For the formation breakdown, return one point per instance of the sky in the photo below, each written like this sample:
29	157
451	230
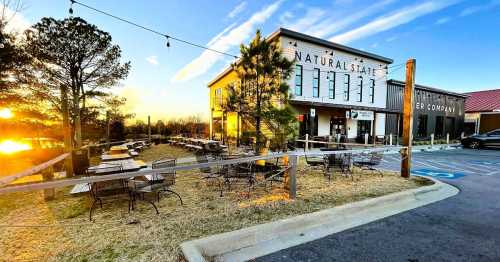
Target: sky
456	43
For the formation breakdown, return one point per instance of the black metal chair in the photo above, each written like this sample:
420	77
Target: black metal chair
341	162
160	182
209	173
243	173
313	161
370	162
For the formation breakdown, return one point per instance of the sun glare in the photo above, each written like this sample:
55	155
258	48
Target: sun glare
10	147
5	113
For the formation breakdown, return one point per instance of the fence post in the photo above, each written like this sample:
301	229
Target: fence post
390	139
48	175
432	139
462	135
366	138
447	138
307	143
291	177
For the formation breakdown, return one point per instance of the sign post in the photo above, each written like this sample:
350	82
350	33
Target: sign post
408	118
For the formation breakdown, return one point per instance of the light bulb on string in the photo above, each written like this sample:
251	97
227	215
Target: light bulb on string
71	7
168	41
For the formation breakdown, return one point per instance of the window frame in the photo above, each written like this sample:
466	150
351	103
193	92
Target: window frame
347	86
372	91
360	89
331	84
316	70
301	80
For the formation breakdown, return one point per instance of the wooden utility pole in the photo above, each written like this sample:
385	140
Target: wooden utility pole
68	146
149	129
408	118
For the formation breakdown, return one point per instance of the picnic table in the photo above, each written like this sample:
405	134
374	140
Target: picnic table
118	150
115	157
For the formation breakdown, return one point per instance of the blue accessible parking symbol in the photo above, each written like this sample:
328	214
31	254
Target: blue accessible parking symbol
437	173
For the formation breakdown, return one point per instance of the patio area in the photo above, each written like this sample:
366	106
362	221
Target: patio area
61	229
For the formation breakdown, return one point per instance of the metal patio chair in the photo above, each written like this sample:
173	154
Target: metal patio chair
210	174
370	162
160	182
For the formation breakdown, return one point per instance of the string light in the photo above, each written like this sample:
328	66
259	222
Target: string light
168	36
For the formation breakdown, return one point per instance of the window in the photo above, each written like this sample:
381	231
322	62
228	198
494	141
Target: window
316	82
422	126
298	80
331	85
360	89
347	80
372	91
218	97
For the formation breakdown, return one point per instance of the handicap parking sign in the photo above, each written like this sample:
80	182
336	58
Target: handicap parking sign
437	173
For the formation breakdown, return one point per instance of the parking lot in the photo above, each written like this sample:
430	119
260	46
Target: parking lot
462	228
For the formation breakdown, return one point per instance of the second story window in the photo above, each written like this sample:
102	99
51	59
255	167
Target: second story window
360	89
331	85
372	90
347	83
298	80
218	97
316	82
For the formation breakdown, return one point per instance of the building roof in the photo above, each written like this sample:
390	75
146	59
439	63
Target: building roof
313	40
483	101
427	88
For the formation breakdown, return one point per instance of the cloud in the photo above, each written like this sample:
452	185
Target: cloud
332	25
443	20
224	43
312	16
237	10
285	17
386	22
392	38
152	60
16	22
478	8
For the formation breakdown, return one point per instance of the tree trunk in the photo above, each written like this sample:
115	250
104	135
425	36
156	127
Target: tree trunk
78	124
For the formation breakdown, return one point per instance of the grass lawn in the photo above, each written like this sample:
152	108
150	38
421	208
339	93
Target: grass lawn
60	230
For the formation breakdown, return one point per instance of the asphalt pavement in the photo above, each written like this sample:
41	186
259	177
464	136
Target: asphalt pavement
465	227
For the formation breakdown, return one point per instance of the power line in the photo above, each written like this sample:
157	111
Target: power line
167	36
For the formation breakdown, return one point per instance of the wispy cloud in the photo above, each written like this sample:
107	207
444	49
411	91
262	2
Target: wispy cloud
16	22
152	60
313	15
224	43
237	10
332	25
386	22
285	17
478	8
443	20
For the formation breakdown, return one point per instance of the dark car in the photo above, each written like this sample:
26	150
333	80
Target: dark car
490	139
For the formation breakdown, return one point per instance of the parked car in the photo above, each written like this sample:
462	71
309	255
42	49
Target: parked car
489	139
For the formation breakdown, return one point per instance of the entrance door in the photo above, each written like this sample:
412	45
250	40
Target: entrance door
364	127
337	126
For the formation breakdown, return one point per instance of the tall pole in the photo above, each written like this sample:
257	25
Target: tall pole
108	130
408	117
149	129
68	146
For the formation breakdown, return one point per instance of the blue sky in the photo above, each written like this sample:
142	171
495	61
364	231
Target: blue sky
456	43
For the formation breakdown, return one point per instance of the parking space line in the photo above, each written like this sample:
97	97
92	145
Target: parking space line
461	165
453	167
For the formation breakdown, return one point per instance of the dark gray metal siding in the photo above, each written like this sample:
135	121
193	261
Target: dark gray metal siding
453	122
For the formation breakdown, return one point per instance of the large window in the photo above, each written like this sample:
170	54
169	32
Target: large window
316	82
331	85
347	83
298	80
218	97
422	126
360	89
372	91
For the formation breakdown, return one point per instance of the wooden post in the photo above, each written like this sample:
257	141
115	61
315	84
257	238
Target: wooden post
366	138
68	144
149	129
48	175
447	138
307	143
408	118
390	139
432	139
108	130
374	132
291	177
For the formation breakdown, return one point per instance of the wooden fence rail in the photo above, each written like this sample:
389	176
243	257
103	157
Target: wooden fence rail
293	160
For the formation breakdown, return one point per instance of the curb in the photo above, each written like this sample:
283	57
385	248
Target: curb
256	241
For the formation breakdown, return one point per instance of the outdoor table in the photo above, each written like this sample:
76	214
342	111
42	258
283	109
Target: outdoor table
106	158
118	150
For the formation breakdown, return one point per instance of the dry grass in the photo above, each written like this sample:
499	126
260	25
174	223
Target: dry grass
143	236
